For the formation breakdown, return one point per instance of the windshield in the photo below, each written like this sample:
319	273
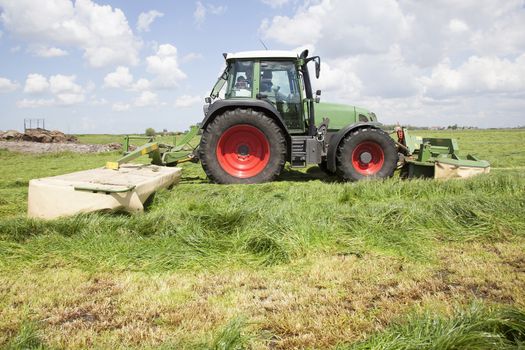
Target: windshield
219	84
240	79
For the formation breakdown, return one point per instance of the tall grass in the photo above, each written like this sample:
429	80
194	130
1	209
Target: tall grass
204	226
477	328
27	338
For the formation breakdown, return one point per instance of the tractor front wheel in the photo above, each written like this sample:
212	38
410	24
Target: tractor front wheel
242	146
366	153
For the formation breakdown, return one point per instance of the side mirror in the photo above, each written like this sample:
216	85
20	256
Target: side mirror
317	96
207	100
317	67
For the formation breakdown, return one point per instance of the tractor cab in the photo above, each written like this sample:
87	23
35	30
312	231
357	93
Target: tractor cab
275	77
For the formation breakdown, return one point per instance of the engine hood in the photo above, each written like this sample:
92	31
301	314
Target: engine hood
341	115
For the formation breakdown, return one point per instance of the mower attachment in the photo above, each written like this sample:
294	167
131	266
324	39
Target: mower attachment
437	158
160	153
127	188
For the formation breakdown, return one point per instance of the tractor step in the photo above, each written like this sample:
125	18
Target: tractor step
305	150
101	189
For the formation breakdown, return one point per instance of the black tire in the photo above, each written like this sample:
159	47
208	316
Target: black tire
366	153
324	167
266	132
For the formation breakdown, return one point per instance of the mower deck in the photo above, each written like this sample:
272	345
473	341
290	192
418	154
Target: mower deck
127	188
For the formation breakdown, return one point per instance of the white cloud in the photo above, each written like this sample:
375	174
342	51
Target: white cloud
35	103
341	27
141	85
276	3
7	85
303	29
413	60
98	101
477	75
64	84
121	107
192	56
216	9
100	31
47	52
164	65
457	26
185	101
202	10
199	15
36	84
120	78
146	19
147	99
63	89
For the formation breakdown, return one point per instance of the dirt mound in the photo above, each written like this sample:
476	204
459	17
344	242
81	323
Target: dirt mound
11	135
38	135
55	147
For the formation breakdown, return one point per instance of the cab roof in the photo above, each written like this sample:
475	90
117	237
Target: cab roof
262	54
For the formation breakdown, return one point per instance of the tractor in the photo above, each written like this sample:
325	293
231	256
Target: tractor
263	112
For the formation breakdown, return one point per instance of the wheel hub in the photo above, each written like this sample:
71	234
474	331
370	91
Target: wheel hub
368	158
243	151
365	157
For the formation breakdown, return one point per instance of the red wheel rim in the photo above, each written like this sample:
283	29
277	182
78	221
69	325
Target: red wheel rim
243	151
368	158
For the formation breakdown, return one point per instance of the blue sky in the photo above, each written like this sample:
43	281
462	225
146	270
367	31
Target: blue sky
91	66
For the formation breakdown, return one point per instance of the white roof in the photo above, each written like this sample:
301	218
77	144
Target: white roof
262	54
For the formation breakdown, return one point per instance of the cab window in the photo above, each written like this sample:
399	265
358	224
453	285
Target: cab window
279	83
240	79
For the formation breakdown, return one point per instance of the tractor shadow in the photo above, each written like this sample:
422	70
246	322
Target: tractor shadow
194	180
311	174
288	174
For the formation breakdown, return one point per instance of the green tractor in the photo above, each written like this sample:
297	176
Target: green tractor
263	112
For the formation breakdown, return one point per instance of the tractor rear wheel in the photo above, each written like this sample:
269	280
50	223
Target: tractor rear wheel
242	146
366	153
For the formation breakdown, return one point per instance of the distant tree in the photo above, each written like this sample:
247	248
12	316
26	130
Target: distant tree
150	132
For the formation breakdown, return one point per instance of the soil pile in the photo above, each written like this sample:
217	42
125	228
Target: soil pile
55	147
38	135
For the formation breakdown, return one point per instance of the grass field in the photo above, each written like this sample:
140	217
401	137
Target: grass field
303	262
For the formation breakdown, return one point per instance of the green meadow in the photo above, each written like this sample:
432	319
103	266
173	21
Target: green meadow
302	262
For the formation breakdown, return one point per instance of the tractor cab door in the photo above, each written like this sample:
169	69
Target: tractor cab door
279	85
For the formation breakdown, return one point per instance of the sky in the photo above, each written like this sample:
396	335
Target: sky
120	66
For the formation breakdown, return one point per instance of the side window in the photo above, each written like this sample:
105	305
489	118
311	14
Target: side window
279	81
240	79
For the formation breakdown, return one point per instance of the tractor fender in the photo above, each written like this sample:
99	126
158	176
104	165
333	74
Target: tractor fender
220	106
336	139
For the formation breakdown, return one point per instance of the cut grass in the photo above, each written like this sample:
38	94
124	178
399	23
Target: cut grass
316	302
